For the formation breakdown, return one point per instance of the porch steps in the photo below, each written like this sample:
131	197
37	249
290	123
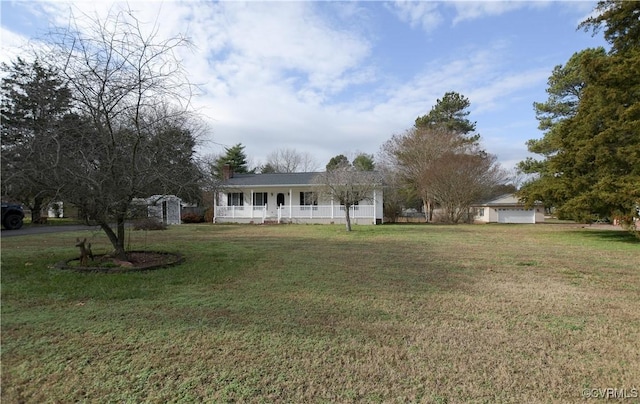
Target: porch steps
269	222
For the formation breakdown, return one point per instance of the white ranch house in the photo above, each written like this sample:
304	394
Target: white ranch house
287	198
507	209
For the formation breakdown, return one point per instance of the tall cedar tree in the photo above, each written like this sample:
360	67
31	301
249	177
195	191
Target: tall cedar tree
591	164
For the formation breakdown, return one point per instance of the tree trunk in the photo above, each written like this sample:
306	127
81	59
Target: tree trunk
428	210
425	208
347	217
121	235
117	240
36	210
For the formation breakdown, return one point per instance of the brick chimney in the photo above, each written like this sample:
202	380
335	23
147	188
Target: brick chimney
227	172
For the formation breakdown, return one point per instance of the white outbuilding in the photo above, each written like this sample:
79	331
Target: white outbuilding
166	208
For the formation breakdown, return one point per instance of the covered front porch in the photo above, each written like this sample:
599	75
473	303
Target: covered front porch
333	213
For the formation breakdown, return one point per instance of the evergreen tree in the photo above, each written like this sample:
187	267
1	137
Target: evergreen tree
235	157
34	102
591	163
338	161
364	162
450	113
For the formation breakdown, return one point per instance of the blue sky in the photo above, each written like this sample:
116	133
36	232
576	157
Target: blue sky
329	78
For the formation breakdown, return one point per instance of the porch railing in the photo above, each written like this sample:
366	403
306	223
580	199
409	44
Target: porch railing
324	212
242	212
295	212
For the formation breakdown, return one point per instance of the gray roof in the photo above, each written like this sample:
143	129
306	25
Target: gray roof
279	179
267	180
504	200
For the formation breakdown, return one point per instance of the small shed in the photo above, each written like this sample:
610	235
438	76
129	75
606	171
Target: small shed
166	208
508	209
55	209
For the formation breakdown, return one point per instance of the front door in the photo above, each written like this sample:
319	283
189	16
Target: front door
280	200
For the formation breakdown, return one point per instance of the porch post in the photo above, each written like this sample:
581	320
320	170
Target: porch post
290	202
374	206
251	204
215	196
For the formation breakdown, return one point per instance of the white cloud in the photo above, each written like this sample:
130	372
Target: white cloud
471	10
13	45
301	74
290	42
421	14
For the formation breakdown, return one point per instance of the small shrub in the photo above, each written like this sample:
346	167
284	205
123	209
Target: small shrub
149	223
192	218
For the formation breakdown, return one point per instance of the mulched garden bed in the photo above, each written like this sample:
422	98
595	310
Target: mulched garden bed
137	261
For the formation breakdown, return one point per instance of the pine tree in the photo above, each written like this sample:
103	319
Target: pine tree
591	149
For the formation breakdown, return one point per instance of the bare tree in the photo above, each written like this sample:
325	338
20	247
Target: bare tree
517	177
132	134
287	160
348	186
414	155
444	168
457	180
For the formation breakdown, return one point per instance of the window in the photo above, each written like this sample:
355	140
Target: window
235	199
480	212
260	199
308	199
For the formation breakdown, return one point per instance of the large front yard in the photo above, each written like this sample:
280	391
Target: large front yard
404	313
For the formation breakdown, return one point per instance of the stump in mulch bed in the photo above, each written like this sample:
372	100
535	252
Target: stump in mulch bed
137	261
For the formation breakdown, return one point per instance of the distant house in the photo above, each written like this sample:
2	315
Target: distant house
507	209
286	198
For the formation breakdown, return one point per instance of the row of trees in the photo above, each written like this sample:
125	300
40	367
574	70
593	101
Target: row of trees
283	160
590	151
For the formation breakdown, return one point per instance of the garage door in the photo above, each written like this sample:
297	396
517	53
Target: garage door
516	216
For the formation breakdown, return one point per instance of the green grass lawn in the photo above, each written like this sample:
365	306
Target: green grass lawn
295	313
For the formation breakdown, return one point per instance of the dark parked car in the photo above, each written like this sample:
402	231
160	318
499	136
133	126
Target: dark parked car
12	215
